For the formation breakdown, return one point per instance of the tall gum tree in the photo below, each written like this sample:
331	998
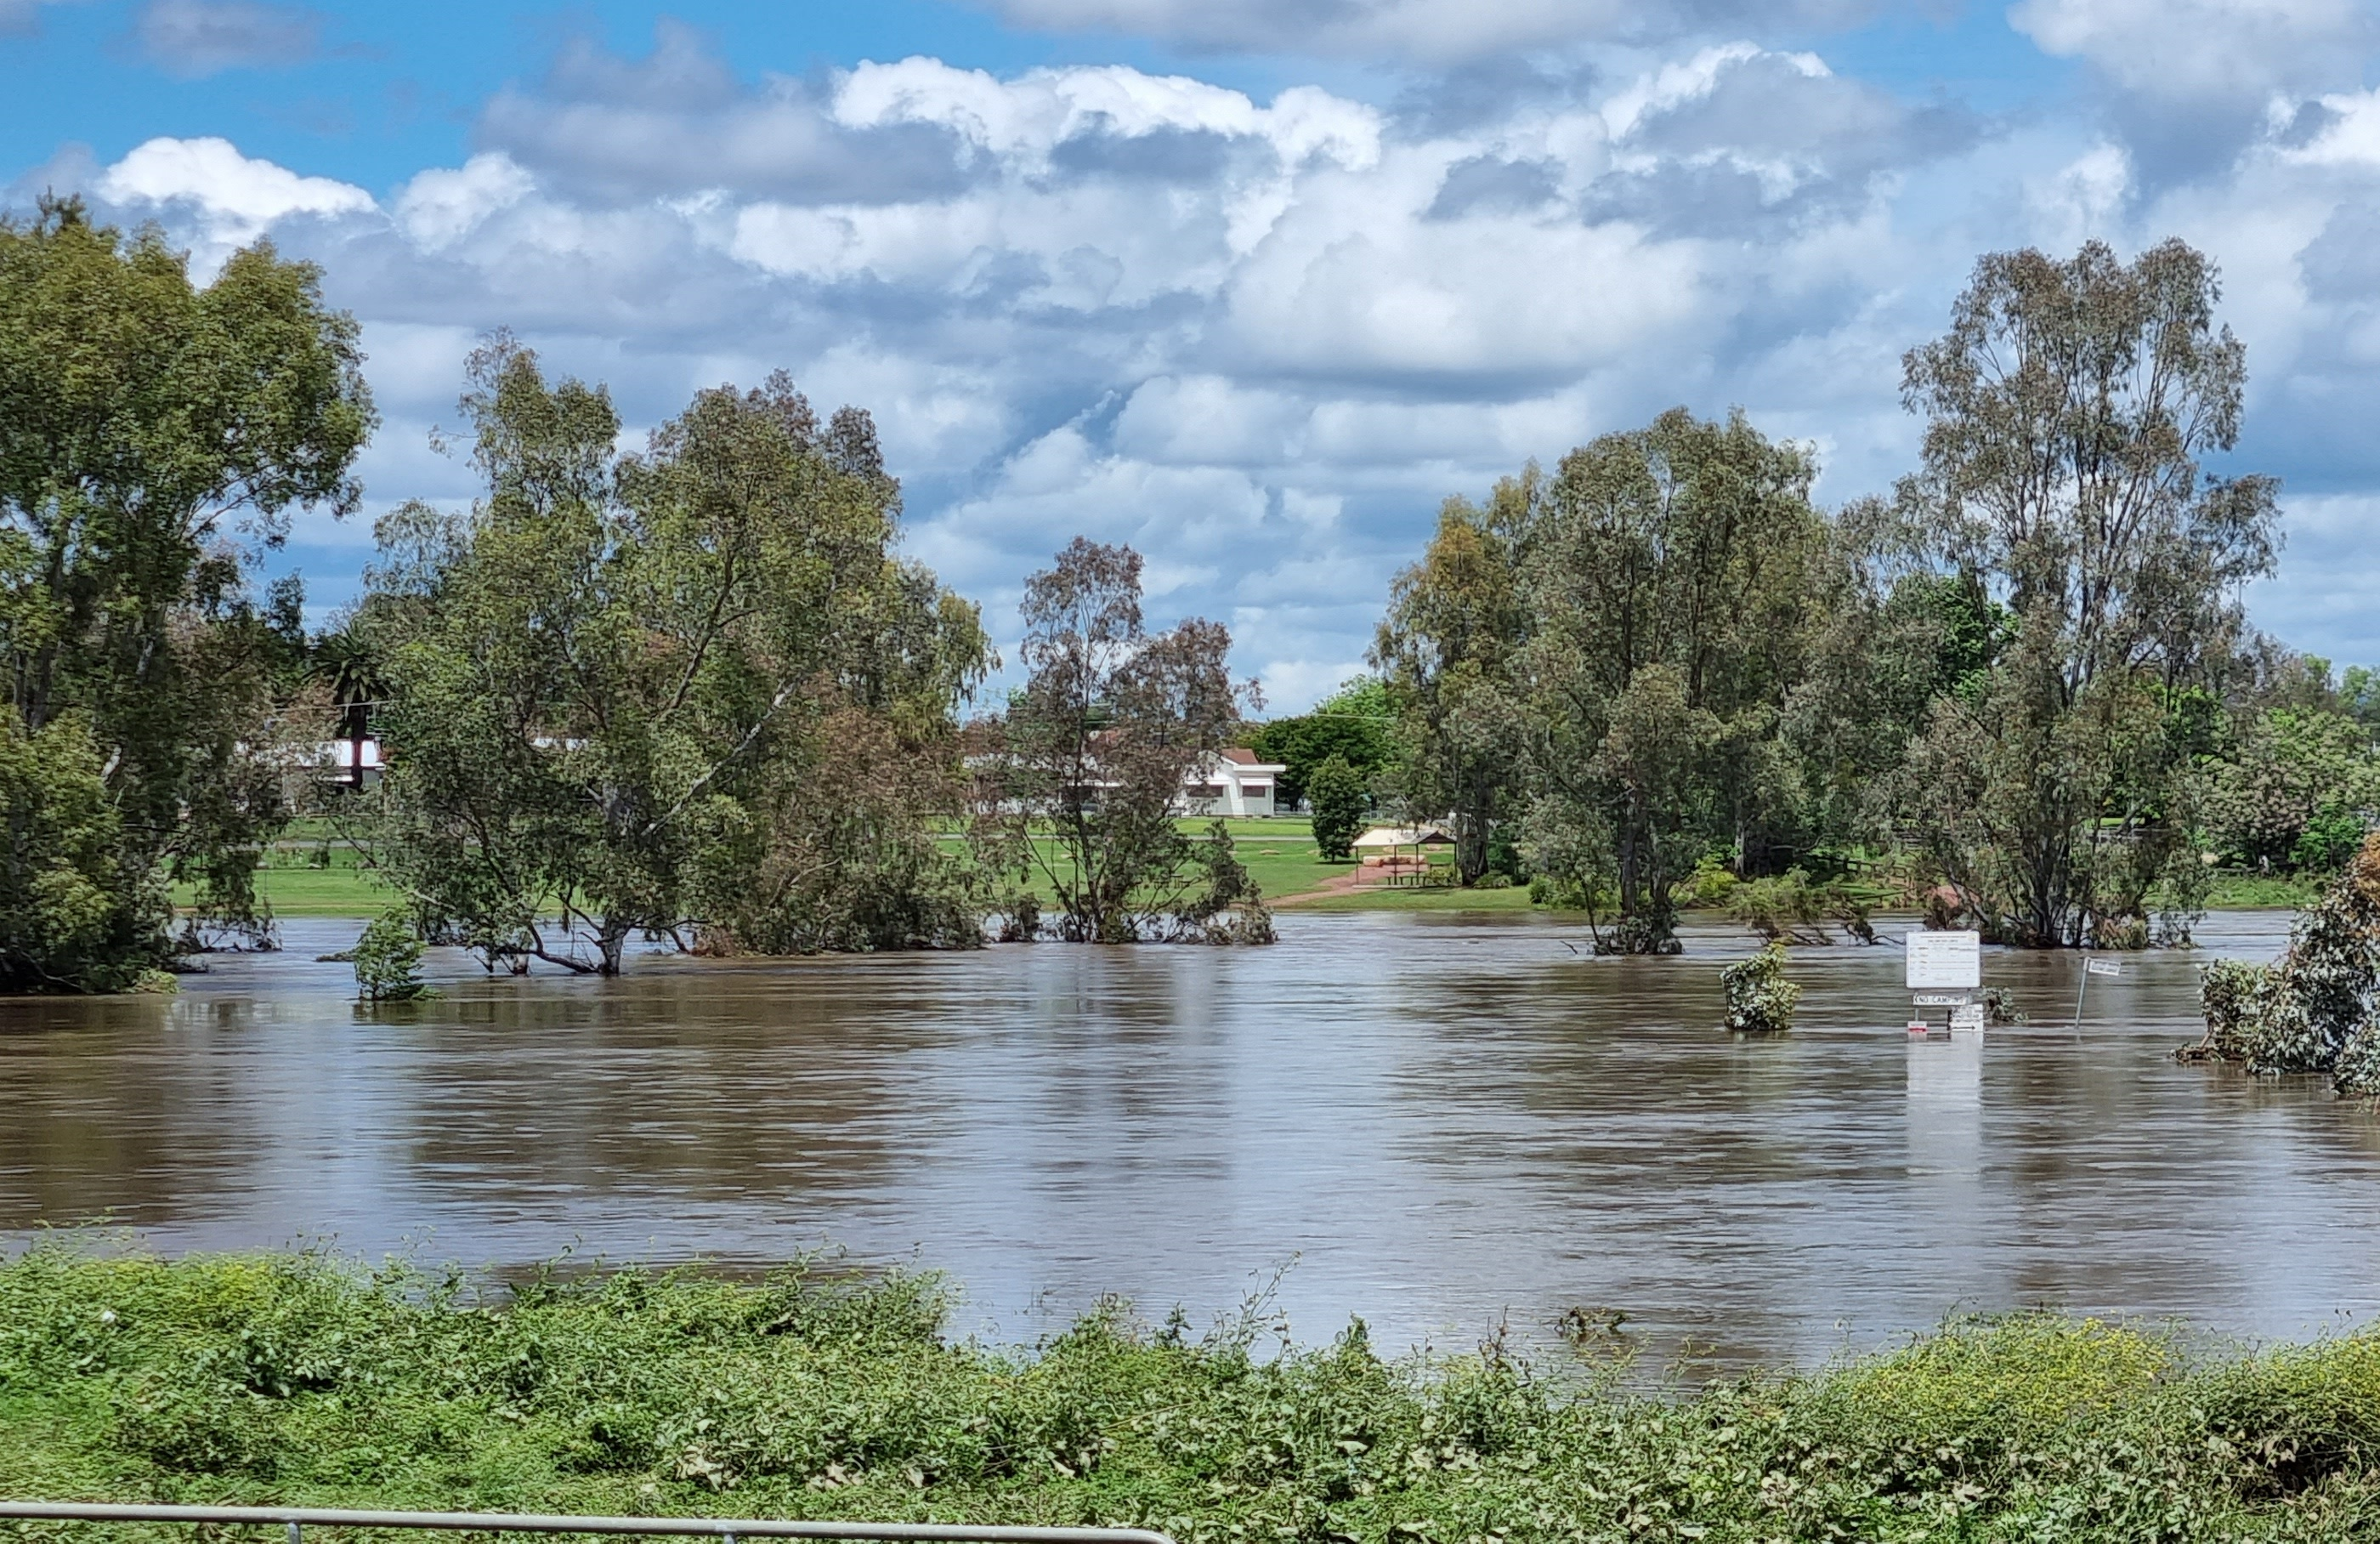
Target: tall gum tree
1093	755
2068	410
1674	577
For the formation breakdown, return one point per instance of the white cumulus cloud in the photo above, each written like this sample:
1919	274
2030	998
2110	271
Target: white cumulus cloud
1260	337
233	198
440	206
2199	48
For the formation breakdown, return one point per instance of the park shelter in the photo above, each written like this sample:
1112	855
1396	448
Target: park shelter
1401	849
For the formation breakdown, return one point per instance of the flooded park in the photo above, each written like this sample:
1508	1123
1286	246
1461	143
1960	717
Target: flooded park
1437	1122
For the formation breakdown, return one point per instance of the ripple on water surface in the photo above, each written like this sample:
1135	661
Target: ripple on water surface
1442	1119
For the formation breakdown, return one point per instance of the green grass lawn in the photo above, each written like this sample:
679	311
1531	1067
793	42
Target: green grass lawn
292	885
1279	854
2238	892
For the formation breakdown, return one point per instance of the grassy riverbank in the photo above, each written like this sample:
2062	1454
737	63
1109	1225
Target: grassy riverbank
313	874
293	1378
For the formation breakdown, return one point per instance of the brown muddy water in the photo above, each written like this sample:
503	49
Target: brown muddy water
1434	1122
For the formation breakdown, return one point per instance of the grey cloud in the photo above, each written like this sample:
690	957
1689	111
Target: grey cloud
2342	264
2305	125
2187	85
1771	146
1164	155
1481	91
677	122
22	19
1425	31
70	169
195	38
2176	141
1489	183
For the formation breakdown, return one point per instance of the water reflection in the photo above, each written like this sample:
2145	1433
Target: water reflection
1441	1120
1946	1104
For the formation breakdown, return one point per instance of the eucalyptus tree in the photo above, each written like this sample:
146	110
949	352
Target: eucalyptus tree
1096	749
147	423
2068	409
617	682
1455	623
1672	579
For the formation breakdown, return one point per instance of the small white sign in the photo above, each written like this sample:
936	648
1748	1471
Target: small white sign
2103	967
1967	1020
1938	999
1945	960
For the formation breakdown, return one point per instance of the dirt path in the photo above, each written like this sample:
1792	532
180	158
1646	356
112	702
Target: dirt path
1337	884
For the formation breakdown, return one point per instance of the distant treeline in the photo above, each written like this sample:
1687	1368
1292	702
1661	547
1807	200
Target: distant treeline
2025	676
694	693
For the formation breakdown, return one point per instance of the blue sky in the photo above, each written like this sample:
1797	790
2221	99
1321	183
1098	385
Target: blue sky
1250	284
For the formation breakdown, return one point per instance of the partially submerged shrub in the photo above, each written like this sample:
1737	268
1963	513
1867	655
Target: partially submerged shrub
1226	908
1020	919
1759	999
1793	907
388	960
2313	1011
1999	1007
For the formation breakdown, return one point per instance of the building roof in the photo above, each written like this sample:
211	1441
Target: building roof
1404	836
1249	761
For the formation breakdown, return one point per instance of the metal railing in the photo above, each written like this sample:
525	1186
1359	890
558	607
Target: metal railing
295	1519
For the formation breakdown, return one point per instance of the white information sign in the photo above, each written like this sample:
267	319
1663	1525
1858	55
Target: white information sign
2103	967
1968	1020
1945	961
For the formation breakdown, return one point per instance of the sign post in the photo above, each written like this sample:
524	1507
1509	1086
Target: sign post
2091	967
1944	969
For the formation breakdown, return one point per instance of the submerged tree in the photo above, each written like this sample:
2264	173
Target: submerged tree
1670	576
2066	409
1760	1000
1096	747
617	683
146	420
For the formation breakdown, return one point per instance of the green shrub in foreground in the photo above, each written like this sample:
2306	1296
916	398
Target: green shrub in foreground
296	1377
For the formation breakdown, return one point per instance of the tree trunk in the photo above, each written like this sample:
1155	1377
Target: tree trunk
1471	838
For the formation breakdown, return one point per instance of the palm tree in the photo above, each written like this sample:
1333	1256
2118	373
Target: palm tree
352	669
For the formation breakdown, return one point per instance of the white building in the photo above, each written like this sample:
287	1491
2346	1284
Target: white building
1231	781
337	759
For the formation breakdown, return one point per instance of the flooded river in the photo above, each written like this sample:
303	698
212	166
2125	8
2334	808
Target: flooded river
1434	1122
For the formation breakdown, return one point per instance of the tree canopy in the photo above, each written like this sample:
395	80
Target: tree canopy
2067	412
667	692
154	435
